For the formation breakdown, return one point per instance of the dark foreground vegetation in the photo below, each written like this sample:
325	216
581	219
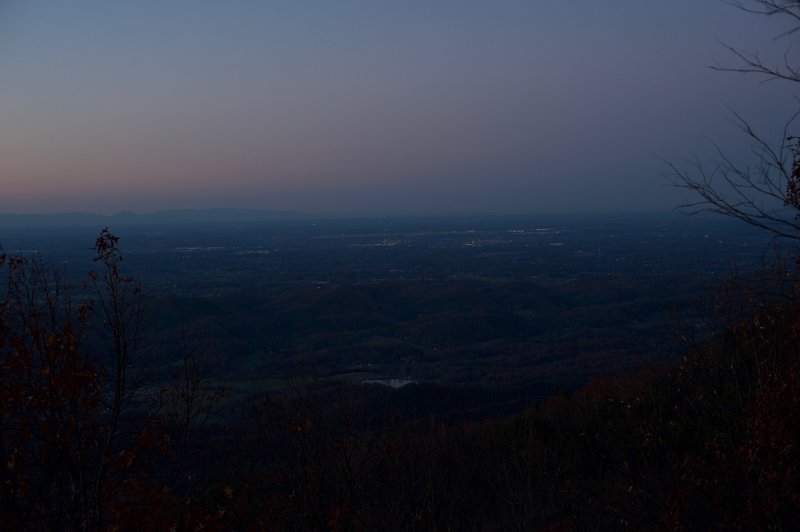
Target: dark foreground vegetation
101	428
88	440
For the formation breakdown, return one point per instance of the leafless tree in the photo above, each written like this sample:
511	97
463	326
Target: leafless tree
119	302
766	191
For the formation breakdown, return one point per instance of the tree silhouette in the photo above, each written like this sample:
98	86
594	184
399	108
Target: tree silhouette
75	451
766	192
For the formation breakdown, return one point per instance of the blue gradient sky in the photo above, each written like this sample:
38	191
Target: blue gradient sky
367	107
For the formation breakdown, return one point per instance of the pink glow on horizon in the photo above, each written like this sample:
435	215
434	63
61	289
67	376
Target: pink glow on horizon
488	107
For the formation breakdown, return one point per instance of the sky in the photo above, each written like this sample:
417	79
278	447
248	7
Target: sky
370	107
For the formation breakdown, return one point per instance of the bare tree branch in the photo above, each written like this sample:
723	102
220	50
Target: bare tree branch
765	192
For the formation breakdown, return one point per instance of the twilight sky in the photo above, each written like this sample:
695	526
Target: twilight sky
368	107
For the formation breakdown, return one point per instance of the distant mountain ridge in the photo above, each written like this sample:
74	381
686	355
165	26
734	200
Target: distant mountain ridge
171	216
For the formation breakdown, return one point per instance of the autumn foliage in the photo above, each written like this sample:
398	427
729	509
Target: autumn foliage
74	453
707	441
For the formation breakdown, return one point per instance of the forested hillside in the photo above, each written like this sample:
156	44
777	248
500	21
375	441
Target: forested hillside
708	440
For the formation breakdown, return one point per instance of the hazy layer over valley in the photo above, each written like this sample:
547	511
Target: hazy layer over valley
518	307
